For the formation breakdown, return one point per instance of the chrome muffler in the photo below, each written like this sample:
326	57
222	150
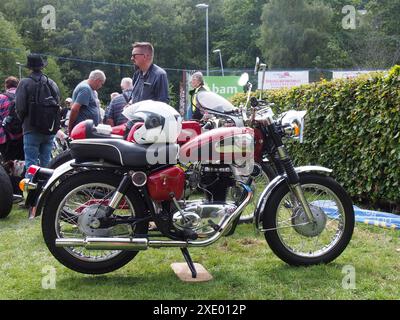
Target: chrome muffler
129	244
135	244
105	243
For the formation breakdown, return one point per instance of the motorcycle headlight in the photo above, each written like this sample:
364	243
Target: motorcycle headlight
293	122
291	130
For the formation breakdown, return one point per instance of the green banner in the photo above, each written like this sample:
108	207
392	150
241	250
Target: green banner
224	86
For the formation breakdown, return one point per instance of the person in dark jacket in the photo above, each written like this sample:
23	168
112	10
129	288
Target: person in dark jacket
37	146
150	82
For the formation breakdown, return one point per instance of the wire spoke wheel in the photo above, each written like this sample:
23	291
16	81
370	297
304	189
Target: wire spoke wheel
90	197
299	241
305	238
76	210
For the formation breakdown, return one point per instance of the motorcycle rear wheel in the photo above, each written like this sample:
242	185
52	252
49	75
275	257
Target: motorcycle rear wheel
60	159
55	225
298	242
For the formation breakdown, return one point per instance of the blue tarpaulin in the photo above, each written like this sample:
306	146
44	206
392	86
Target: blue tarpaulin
376	218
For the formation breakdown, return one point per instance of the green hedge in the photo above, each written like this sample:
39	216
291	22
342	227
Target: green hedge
352	127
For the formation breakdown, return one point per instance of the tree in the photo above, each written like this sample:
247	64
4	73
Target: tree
373	41
240	33
295	33
9	57
53	71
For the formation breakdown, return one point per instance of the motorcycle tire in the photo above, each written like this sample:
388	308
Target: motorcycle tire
60	159
66	256
6	194
284	241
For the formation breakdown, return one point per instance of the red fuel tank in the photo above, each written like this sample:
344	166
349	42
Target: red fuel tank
162	183
119	130
190	130
231	145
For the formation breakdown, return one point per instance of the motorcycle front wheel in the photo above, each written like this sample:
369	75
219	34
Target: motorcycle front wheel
84	194
299	242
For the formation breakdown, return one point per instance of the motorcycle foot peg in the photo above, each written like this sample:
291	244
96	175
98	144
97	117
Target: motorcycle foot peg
190	234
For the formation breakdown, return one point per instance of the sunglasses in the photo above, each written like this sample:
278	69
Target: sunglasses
137	54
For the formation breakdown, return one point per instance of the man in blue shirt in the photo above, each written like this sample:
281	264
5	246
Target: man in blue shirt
114	116
150	82
84	100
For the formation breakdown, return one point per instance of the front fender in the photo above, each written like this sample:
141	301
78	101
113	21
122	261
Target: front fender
276	182
58	173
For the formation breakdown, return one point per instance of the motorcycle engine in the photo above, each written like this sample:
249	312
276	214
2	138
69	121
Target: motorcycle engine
205	182
202	218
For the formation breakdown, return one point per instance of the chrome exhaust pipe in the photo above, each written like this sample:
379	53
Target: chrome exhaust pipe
105	243
136	244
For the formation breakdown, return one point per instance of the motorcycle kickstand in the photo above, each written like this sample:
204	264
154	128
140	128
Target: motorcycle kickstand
189	262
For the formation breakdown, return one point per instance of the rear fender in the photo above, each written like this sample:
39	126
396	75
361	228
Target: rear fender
58	173
275	183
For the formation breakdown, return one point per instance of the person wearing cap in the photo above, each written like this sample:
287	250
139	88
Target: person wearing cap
65	112
197	83
37	146
68	102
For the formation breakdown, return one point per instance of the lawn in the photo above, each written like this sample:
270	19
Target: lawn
242	265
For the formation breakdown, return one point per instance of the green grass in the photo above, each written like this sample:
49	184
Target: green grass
243	267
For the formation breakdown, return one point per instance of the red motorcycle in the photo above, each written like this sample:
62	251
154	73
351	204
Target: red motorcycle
99	205
33	186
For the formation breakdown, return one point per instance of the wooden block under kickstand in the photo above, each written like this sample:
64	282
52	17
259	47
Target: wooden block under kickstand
183	272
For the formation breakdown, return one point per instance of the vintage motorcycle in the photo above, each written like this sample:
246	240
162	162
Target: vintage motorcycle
221	113
96	218
215	184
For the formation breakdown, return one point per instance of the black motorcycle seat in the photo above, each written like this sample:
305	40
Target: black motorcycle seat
123	153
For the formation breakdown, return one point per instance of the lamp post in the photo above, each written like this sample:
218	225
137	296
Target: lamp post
19	64
220	60
205	6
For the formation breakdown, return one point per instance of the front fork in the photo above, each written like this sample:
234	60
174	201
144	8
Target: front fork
292	176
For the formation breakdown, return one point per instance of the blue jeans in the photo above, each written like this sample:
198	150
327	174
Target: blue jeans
37	149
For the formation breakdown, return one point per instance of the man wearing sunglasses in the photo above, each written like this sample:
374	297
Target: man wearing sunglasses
150	82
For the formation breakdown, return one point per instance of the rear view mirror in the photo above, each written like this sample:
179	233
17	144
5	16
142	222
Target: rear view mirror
257	66
244	78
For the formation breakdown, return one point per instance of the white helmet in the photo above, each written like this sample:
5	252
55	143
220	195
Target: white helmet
162	123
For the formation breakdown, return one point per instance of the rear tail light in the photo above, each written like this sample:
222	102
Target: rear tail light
32	170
